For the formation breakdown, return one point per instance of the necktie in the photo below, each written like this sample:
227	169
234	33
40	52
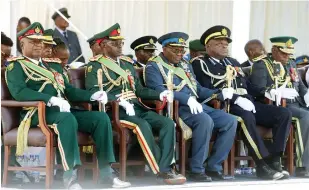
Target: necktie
65	35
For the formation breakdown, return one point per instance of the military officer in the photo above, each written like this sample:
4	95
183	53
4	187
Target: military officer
95	47
254	49
48	85
196	49
122	84
202	119
48	43
61	52
144	48
278	73
302	61
211	72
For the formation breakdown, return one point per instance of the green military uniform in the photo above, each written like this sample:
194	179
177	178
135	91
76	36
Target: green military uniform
119	79
32	80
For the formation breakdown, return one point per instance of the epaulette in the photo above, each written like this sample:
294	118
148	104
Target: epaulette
125	58
15	58
259	58
96	58
51	60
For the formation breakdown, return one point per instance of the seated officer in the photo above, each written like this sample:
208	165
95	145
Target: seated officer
196	49
211	73
31	79
202	119
48	43
254	49
6	46
120	82
144	48
302	61
278	73
95	48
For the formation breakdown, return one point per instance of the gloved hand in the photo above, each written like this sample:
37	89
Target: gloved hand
274	95
100	96
63	105
168	94
245	104
306	98
195	106
127	106
289	93
227	93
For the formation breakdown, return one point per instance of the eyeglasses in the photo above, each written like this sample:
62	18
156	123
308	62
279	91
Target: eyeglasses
176	51
117	43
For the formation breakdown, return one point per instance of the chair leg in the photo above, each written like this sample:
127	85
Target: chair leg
182	156
122	157
7	153
81	169
95	169
232	160
49	167
290	153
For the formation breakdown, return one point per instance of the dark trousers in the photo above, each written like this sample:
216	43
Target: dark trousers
268	116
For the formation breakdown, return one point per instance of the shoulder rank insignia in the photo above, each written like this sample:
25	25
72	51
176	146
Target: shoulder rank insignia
96	58
51	60
10	66
15	58
259	58
125	58
89	69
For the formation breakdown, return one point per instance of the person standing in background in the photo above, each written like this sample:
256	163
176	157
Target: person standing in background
67	36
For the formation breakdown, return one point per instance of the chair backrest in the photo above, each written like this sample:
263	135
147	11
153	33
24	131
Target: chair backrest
139	74
246	70
302	72
10	116
77	77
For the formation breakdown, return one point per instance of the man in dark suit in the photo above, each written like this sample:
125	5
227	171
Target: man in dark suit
254	49
67	36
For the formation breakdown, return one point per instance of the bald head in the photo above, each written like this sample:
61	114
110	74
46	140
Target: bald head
254	48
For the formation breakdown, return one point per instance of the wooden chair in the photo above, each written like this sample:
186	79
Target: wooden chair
179	133
42	136
122	136
267	135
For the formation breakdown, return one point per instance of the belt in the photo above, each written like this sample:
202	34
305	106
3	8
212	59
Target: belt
240	91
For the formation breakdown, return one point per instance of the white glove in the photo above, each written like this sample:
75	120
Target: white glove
245	104
195	106
76	65
227	93
288	93
63	105
127	106
100	96
168	94
306	98
274	95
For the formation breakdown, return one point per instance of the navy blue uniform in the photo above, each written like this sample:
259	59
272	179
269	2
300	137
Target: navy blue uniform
269	116
202	124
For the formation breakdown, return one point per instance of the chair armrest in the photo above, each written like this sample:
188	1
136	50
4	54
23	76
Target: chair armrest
269	102
41	113
85	105
13	103
215	103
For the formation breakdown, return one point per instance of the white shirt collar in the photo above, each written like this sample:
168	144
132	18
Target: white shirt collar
216	59
61	31
250	62
34	61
